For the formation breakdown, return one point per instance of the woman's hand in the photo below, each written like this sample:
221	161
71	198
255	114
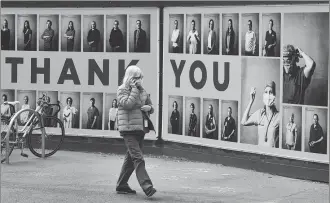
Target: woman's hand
146	108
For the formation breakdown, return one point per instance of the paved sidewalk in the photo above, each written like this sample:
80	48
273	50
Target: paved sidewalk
69	177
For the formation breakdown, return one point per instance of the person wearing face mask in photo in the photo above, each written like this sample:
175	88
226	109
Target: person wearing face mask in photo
267	118
175	119
296	79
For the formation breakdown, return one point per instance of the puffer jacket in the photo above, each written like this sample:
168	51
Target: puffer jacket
130	101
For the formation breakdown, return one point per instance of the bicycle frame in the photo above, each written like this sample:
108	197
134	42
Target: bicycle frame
29	125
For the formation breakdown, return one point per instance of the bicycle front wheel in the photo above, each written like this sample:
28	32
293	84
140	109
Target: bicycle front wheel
12	138
54	136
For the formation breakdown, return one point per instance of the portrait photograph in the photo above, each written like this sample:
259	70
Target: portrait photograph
93	31
305	58
250	34
27	32
139	33
8	32
229	120
70	109
260	105
48	32
70	33
53	110
111	110
92	111
27	99
230	34
176	32
271	34
292	128
211	118
211	34
194	33
116	33
192	116
175	114
316	130
7	111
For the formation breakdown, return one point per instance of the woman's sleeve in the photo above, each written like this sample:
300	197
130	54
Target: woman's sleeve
126	98
148	102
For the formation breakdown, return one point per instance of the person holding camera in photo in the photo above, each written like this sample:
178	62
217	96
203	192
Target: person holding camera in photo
296	79
134	108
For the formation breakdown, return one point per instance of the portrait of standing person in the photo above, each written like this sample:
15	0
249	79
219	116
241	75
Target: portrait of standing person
48	29
270	40
292	127
271	34
134	109
229	127
211	34
139	33
69	114
24	117
116	29
250	32
71	33
92	115
291	133
305	58
210	125
116	39
27	99
193	37
8	32
175	114
93	33
230	34
113	113
92	110
316	129
192	116
176	32
140	38
192	121
27	32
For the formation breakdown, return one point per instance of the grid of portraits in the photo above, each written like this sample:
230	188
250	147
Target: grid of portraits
219	34
287	107
76	33
78	110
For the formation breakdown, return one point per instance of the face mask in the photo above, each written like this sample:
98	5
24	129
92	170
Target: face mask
269	99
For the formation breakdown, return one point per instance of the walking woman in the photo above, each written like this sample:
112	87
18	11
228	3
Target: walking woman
134	107
267	118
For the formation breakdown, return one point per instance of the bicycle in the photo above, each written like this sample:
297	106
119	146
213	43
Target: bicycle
28	131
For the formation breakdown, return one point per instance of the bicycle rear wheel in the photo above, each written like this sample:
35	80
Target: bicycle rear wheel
12	138
54	136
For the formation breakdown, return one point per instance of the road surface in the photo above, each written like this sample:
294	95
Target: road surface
77	177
